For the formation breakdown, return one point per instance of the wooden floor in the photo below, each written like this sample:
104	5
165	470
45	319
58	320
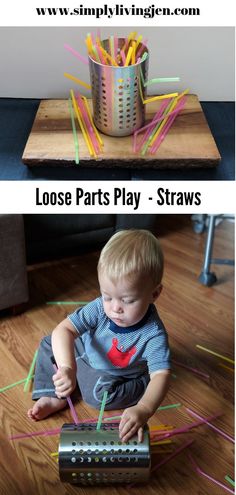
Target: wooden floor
193	314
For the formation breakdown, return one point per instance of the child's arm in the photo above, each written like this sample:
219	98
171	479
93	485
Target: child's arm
63	337
133	418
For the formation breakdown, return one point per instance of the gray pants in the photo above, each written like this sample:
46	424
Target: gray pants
122	391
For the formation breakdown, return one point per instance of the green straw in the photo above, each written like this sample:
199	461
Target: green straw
161	80
76	142
112	417
29	377
157	79
14	384
169	407
227	478
81	303
101	410
111	44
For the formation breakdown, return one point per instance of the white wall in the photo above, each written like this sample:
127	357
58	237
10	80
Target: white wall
33	59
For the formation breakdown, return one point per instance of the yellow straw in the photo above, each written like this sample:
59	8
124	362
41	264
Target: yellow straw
95	53
161	427
129	55
89	42
160	97
131	36
75	137
108	57
85	134
215	354
226	367
78	81
161	442
91	120
54	454
172	106
139	40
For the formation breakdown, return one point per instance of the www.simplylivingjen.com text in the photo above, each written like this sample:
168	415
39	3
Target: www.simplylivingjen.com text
118	10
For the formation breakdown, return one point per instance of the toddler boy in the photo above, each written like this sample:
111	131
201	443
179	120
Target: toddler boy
116	343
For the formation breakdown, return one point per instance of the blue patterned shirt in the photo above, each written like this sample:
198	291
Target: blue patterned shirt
118	350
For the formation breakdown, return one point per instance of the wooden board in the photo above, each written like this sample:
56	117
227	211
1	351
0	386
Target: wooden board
189	142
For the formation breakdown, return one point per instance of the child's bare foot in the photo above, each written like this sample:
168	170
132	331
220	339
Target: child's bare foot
45	406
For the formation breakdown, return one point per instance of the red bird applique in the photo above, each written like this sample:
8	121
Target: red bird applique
118	357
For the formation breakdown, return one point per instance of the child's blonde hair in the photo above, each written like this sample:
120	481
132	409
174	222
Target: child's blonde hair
132	253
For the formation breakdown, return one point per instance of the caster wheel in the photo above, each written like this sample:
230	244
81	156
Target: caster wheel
207	279
198	227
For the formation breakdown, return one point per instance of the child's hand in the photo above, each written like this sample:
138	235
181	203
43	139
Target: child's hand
132	421
64	381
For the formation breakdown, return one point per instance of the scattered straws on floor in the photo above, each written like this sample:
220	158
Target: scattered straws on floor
226	367
200	471
42	433
7	387
194	370
169	458
230	480
80	303
174	454
186	428
215	353
169	406
30	374
218	430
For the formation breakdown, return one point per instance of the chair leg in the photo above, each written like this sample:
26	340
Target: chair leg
207	277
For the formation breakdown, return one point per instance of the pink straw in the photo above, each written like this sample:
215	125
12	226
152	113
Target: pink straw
72	409
122	53
199	471
167	459
167	126
55	431
194	370
149	126
173	113
76	54
36	434
184	429
174	454
115	46
218	430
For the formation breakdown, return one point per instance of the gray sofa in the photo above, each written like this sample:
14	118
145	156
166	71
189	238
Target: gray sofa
13	275
27	239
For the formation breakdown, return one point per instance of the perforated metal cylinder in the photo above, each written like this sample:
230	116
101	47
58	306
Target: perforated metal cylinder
91	457
118	108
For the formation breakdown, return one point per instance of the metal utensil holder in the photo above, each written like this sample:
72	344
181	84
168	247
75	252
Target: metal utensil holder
90	457
118	108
